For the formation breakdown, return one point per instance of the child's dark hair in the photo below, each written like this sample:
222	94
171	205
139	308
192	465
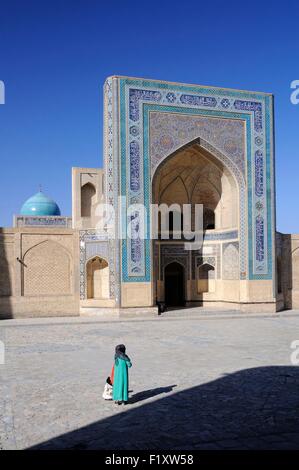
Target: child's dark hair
108	380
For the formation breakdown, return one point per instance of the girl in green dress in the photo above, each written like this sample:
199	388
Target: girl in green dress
121	375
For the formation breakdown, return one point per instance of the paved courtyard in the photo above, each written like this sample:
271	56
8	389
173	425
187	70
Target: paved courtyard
196	383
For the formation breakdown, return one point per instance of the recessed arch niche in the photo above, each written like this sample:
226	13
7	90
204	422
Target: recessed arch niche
97	270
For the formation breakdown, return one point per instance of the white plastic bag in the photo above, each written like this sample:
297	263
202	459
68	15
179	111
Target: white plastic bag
107	393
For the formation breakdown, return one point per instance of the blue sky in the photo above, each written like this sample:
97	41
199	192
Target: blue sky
55	56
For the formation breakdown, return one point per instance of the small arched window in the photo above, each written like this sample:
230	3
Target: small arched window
208	219
87	193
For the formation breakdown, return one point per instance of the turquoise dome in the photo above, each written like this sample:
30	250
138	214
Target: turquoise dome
40	204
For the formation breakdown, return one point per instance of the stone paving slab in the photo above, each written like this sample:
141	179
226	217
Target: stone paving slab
226	383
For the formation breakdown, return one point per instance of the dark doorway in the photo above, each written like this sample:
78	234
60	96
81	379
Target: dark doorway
174	285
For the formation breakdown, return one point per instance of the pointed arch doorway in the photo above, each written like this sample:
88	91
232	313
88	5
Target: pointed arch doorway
174	285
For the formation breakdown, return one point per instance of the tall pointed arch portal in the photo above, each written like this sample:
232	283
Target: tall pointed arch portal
149	122
189	176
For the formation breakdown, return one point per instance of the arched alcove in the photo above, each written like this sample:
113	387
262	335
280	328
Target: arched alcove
97	270
88	192
206	278
190	178
47	270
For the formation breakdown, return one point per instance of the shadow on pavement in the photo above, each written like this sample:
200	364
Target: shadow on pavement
150	393
255	408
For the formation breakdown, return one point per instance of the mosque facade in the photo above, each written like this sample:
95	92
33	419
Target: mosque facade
165	145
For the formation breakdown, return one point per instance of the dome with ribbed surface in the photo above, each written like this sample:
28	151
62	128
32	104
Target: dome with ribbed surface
40	204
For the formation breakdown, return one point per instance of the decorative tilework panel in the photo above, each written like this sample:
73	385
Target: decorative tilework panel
230	261
136	94
170	131
111	166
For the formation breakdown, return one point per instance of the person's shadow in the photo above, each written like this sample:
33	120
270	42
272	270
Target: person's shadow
150	393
